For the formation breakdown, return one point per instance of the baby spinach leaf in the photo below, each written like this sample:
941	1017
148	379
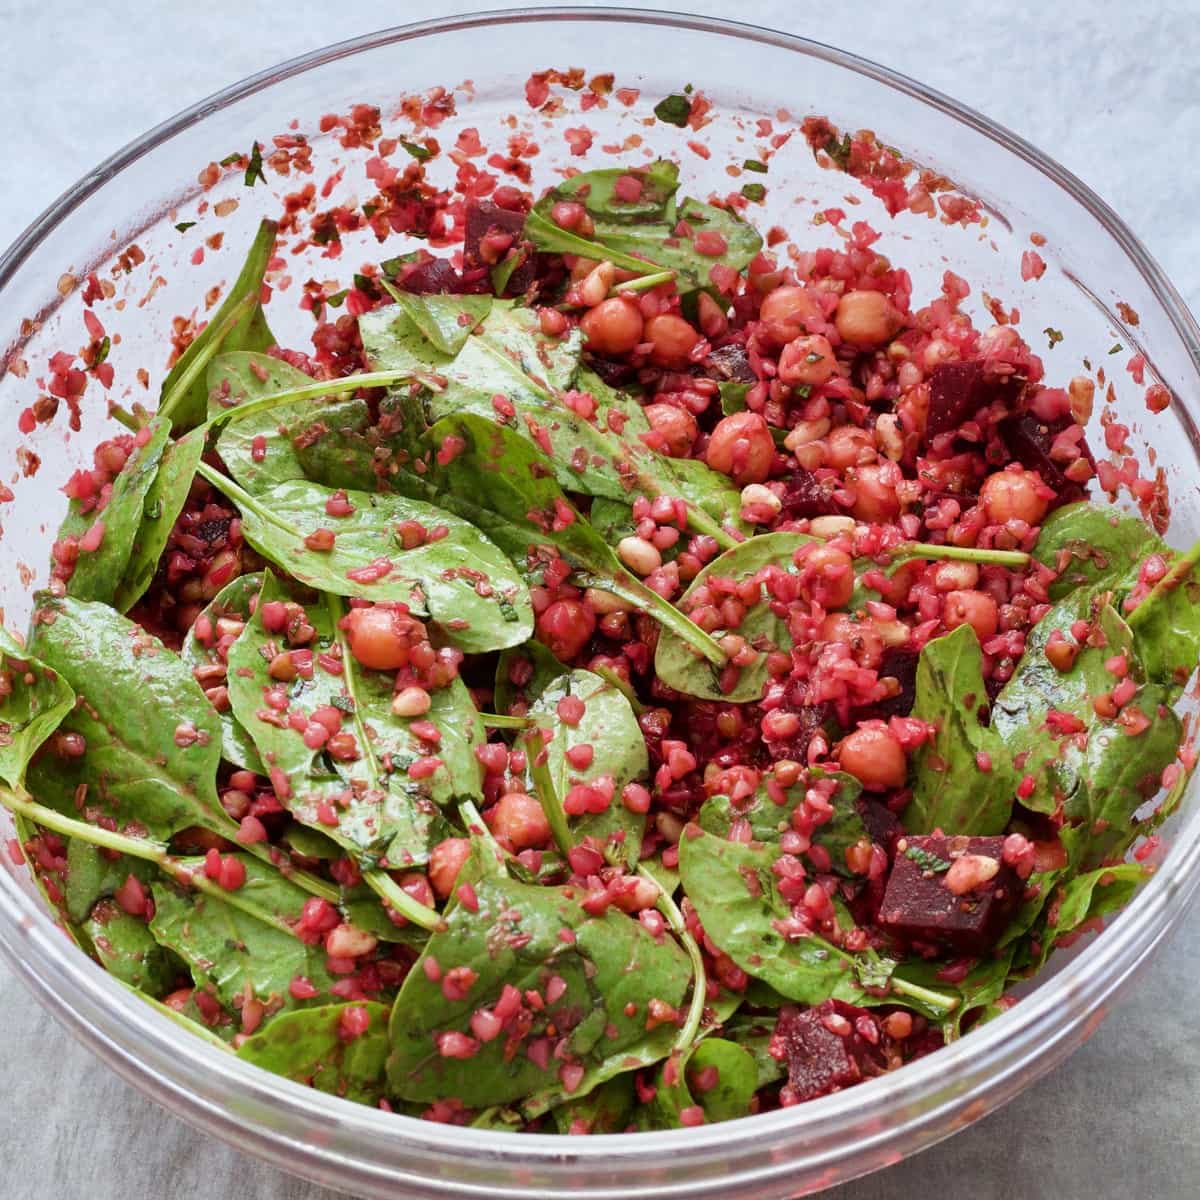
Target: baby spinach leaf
446	322
238	943
1098	775
98	573
232	601
461	581
382	814
153	740
651	231
1166	623
512	698
163	502
607	1109
951	791
596	977
677	665
769	821
126	948
33	702
237	378
499	482
93	874
239	324
737	898
981	987
609	728
1090	544
510	360
308	1046
718	1075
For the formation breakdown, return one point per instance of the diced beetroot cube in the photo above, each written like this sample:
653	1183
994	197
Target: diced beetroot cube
484	217
882	825
900	664
431	277
955	395
730	363
824	1049
953	892
805	496
1029	440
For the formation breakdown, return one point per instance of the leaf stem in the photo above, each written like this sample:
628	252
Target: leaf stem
207	353
547	794
926	550
193	1027
643	283
1180	569
927	995
669	909
623	686
500	721
397	899
120	413
312	391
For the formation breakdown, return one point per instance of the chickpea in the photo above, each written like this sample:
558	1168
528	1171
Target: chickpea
974	608
875	493
565	628
829	576
867	319
1013	494
862	637
382	638
446	860
954	576
741	446
807	361
849	446
639	555
874	757
520	819
788	312
804	433
675	424
613	327
672	339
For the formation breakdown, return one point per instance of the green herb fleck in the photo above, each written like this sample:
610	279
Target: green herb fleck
674	110
840	151
419	152
752	164
1117	348
1055	335
254	170
754	191
102	351
184	226
926	860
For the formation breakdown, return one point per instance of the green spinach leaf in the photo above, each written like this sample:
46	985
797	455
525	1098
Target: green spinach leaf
239	324
34	700
309	1047
126	948
951	789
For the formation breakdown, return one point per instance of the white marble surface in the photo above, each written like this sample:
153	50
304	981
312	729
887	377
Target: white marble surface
1108	88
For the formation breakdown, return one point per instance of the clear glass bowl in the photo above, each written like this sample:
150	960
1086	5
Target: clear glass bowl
139	195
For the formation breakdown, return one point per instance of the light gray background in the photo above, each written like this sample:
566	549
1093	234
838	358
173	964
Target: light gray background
1108	88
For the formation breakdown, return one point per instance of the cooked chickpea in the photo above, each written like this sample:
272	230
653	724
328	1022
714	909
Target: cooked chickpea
676	425
954	576
974	608
565	628
874	493
807	361
520	819
672	340
741	446
380	638
613	327
1013	494
875	758
788	312
446	860
804	433
829	576
639	555
861	636
867	319
850	446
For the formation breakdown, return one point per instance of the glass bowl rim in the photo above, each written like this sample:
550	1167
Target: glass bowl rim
30	939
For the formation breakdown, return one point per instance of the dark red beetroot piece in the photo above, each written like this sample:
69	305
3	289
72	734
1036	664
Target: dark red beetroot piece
824	1050
730	364
483	218
805	496
1029	440
957	391
434	276
922	902
900	664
